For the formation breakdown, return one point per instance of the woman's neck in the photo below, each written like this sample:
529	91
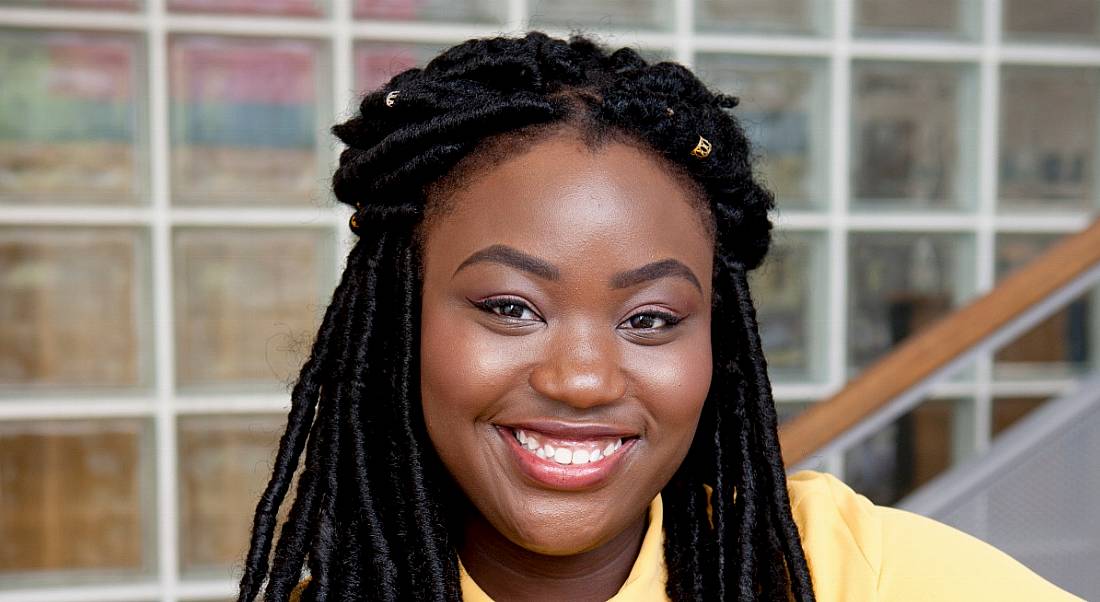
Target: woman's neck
508	572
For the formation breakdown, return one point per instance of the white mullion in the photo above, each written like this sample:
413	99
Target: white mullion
311	217
933	222
840	67
247	25
799	392
214	403
916	50
345	105
163	319
800	220
684	25
1056	224
771	45
517	17
120	592
27	408
82	216
48	18
988	151
429	33
1049	54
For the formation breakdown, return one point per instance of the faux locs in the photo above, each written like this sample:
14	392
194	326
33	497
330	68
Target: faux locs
368	519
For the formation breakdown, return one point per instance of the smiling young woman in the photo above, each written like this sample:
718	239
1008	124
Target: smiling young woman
540	377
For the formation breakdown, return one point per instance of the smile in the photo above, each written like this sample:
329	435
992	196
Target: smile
568	452
566	462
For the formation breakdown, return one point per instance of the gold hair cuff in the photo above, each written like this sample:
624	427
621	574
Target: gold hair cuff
392	97
703	148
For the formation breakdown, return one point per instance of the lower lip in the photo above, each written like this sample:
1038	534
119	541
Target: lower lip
564	477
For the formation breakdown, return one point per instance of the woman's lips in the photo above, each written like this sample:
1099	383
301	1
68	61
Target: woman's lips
560	472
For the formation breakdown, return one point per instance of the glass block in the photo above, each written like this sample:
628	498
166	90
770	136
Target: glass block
787	410
763	16
1009	410
77	501
292	8
71	109
911	451
603	14
899	283
446	11
1053	20
377	62
931	18
784	112
247	122
788	290
913	136
248	303
73	308
1062	346
1048	137
224	465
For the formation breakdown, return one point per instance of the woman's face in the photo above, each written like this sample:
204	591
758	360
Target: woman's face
565	339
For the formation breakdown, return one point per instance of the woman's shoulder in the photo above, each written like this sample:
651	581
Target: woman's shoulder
857	550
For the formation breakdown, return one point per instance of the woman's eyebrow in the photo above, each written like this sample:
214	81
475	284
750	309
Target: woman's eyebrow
511	257
652	271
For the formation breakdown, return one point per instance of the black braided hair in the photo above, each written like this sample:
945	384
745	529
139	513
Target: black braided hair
369	519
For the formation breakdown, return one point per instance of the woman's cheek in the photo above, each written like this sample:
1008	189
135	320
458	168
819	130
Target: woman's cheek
673	382
465	368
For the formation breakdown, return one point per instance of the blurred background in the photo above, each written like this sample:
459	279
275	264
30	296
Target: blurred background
168	241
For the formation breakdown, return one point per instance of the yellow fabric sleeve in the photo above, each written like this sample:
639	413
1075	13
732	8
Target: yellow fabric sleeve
859	551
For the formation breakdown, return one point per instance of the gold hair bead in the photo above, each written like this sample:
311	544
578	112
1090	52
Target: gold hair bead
702	148
353	222
669	111
392	97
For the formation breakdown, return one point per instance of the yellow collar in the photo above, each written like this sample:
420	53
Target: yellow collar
646	582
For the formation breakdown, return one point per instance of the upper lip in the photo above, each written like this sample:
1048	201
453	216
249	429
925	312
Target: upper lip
573	430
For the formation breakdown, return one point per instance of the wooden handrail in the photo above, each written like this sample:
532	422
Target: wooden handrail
923	354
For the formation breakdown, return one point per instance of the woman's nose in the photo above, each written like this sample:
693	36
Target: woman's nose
581	368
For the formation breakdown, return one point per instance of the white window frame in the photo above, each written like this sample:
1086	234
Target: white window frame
837	46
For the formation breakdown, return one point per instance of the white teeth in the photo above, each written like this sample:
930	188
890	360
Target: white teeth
562	455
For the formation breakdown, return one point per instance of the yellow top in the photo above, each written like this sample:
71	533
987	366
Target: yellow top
858	551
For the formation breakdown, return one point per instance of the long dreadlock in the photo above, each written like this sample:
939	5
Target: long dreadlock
368	519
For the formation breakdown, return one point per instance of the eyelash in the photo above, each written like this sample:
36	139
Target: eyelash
489	305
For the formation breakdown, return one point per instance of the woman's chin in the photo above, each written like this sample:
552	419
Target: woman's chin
559	546
557	537
553	537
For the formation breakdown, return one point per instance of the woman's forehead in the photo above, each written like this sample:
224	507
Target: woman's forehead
561	198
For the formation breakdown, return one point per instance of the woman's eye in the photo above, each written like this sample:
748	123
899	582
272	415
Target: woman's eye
652	321
508	308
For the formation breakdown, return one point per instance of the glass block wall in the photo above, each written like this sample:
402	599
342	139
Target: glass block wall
168	242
